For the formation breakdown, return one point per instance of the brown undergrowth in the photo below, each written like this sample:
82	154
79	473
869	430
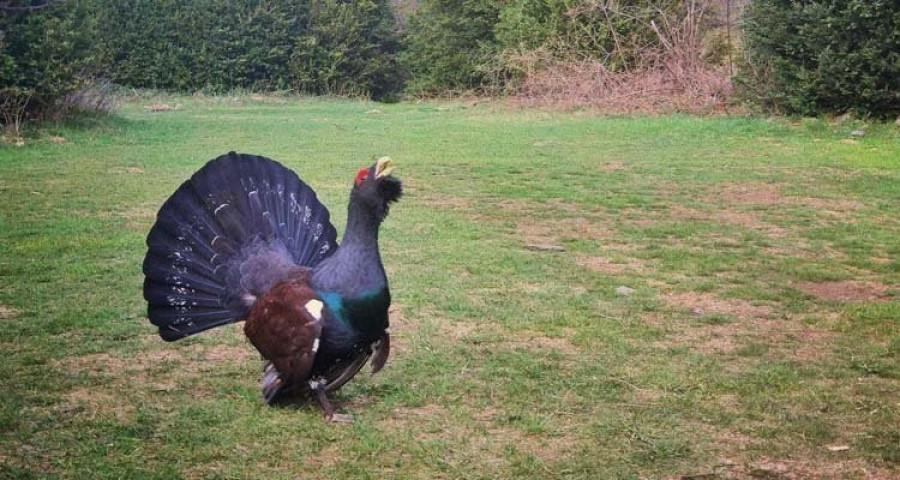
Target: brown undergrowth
669	74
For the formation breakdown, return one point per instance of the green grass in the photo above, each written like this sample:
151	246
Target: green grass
764	325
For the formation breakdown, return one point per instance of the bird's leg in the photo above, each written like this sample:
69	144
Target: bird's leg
318	391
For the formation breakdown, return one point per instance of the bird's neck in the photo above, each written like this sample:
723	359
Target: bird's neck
361	233
355	269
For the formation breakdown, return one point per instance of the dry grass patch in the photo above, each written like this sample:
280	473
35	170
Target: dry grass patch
604	266
139	217
771	194
702	303
161	107
813	467
741	218
103	402
536	230
445	202
845	291
425	423
751	324
612	167
127	171
483	435
457	330
750	193
7	313
402	329
542	343
158	369
327	457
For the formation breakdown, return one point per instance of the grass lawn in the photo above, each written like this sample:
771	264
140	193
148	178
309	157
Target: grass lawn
760	337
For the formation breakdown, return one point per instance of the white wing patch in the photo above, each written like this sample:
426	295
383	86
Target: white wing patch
314	307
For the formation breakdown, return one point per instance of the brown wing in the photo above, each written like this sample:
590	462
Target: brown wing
285	326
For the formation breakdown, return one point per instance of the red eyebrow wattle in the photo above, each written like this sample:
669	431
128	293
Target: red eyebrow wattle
361	175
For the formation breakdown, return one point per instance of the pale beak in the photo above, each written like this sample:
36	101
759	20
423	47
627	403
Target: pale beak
383	167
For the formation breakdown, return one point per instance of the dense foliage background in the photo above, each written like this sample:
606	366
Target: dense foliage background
823	56
44	54
809	57
315	46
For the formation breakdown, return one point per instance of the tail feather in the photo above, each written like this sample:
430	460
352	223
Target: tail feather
227	234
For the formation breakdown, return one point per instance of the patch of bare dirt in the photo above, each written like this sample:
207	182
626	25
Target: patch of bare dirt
845	291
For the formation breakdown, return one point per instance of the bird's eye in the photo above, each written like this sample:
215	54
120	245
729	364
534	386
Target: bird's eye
361	176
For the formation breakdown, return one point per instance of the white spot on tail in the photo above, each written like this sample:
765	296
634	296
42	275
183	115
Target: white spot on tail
315	347
314	307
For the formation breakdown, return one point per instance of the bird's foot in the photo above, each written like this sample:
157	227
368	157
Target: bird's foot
339	418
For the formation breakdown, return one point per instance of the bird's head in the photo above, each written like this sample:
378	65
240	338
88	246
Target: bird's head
375	188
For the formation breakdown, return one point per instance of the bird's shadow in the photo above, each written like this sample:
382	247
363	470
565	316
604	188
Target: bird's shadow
360	395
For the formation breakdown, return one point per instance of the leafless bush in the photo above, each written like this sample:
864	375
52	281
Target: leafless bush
98	96
13	107
667	76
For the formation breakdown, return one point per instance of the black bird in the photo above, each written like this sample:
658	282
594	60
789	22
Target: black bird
246	239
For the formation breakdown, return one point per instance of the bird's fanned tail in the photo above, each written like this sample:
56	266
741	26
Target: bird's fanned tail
240	224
